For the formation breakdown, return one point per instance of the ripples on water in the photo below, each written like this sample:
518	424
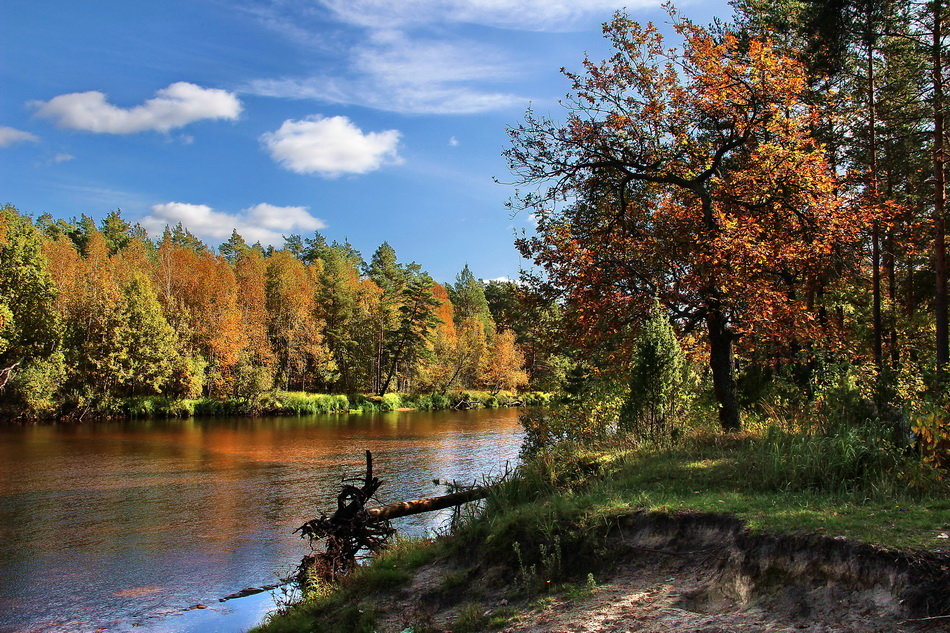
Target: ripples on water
119	526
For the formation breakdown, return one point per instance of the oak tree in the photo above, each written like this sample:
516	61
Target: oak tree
686	174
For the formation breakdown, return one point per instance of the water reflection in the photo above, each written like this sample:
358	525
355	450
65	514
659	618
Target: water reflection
112	525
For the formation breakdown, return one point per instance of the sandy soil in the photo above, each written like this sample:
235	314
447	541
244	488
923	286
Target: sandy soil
712	581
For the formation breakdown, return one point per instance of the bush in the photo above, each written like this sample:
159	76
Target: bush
390	402
932	430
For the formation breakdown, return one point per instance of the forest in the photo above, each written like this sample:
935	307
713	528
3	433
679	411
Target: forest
99	317
747	220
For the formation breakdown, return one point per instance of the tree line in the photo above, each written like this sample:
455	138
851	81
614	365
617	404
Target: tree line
94	313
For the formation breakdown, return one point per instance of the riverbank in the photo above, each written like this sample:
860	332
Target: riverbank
703	537
292	403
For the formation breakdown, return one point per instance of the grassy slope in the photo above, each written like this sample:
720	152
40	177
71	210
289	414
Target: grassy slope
558	512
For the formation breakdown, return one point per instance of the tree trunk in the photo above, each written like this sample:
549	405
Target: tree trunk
890	263
723	372
877	320
940	248
876	317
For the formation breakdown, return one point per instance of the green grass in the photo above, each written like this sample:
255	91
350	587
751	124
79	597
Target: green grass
474	618
895	502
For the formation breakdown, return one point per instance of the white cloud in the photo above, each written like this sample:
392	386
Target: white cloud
10	136
62	158
389	71
265	223
532	15
173	107
330	147
453	142
504	280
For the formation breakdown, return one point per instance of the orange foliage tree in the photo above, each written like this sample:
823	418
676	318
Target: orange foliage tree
690	177
198	291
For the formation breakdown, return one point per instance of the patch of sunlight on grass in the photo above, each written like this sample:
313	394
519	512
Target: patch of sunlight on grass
705	464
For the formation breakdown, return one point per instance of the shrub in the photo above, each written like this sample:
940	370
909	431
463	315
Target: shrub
37	383
390	402
932	429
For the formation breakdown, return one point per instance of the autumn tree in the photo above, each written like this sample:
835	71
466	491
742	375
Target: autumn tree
690	175
254	371
505	366
198	293
296	331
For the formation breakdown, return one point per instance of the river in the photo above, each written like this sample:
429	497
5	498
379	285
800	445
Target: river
119	526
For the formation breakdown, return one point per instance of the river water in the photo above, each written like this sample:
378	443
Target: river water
120	526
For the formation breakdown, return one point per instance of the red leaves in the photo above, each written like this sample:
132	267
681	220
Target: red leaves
697	180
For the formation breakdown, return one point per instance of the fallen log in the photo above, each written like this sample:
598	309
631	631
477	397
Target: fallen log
345	532
430	504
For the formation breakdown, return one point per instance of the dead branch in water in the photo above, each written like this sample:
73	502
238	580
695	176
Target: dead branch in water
347	531
354	527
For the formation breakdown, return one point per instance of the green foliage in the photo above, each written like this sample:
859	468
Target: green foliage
251	382
390	402
300	403
146	345
117	232
29	327
658	379
410	342
833	394
37	383
585	418
931	427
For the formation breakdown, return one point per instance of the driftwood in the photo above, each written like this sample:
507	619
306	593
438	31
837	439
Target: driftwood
353	527
418	506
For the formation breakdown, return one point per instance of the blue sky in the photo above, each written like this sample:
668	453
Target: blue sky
369	120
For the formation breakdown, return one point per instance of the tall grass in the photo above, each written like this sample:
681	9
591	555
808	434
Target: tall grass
845	459
303	403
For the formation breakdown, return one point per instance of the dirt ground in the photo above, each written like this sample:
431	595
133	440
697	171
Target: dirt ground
701	579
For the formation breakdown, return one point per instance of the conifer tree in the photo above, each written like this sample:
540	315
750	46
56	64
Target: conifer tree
657	381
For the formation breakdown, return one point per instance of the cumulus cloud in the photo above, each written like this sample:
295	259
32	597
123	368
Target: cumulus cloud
390	71
453	142
173	107
534	15
11	136
330	147
264	223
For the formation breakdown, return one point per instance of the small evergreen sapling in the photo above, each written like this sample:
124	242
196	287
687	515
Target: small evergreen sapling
657	381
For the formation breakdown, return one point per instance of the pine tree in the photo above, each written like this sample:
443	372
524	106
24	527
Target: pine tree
657	381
